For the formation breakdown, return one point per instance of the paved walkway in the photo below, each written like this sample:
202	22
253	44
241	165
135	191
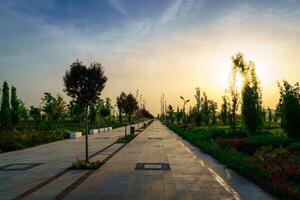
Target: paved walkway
53	159
171	170
186	179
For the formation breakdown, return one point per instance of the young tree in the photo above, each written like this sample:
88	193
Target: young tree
198	107
288	108
121	104
205	109
15	107
131	105
234	105
251	94
213	106
85	84
170	114
224	115
5	106
179	115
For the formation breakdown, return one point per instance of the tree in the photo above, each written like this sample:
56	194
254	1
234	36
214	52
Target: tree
105	112
121	104
75	111
213	111
15	107
54	108
131	105
5	106
270	116
225	110
85	84
198	107
288	108
205	109
24	113
251	94
93	114
170	112
35	113
179	115
234	95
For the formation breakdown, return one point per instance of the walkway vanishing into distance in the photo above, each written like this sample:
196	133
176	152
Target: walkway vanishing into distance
157	164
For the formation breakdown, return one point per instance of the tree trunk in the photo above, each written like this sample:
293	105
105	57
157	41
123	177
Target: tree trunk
86	135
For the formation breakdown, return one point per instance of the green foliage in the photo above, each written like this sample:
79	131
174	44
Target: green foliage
15	107
75	111
24	112
126	138
213	111
251	93
170	112
85	84
11	140
35	113
234	94
83	164
205	109
5	113
54	108
121	101
127	104
93	114
265	159
288	108
198	99
105	112
131	105
224	114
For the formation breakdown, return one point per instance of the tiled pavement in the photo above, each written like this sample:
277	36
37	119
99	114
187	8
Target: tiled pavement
55	157
187	179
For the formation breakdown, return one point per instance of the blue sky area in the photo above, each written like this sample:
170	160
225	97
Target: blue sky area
139	42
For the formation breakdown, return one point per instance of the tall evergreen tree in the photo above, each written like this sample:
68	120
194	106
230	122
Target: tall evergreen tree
225	110
15	107
5	106
198	106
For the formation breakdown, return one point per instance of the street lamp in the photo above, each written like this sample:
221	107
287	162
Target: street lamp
184	102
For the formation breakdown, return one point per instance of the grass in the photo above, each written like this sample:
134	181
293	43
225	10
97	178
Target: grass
126	138
269	158
82	164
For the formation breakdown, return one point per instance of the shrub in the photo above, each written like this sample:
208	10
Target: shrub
83	164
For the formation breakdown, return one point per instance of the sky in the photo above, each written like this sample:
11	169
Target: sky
157	46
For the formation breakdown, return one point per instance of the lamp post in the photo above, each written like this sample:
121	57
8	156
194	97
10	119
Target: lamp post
184	102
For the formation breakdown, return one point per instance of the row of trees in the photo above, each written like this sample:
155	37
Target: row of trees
243	106
55	108
85	84
12	108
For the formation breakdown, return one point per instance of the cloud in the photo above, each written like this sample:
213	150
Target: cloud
181	10
117	5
